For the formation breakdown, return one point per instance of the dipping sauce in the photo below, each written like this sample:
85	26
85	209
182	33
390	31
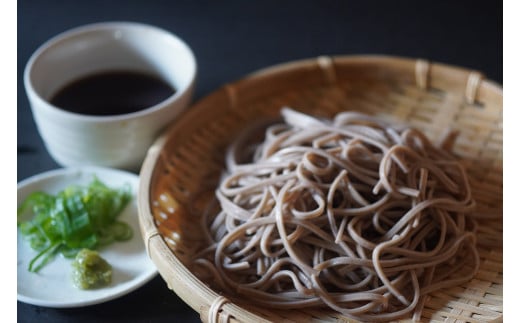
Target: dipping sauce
112	93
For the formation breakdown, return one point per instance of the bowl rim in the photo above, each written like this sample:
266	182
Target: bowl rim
185	92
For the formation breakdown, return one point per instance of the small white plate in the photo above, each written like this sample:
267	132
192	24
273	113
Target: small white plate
52	286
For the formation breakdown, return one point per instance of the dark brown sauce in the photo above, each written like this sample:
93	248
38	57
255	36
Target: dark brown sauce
112	93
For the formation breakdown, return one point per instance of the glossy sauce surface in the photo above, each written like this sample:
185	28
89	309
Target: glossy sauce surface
112	93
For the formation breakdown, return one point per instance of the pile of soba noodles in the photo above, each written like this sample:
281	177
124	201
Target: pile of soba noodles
355	214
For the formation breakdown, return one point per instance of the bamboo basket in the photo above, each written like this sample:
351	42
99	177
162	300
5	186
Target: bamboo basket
431	96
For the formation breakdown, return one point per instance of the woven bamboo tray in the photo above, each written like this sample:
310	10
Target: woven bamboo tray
430	96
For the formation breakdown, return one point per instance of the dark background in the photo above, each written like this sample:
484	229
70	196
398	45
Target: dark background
233	38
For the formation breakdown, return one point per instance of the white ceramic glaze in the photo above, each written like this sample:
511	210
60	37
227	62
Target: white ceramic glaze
52	286
111	141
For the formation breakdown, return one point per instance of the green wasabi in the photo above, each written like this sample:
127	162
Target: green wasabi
90	270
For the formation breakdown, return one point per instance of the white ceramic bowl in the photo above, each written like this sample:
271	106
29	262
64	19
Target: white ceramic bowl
119	141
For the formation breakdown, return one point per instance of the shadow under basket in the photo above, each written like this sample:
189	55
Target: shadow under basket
432	97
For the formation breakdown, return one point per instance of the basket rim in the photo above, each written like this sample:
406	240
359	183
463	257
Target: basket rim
155	244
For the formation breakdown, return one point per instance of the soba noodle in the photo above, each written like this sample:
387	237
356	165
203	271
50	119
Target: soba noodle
353	213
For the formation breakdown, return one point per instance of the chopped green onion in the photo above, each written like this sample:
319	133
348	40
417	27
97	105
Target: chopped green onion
76	218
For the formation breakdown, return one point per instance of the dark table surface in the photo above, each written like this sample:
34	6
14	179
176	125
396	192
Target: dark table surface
233	38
